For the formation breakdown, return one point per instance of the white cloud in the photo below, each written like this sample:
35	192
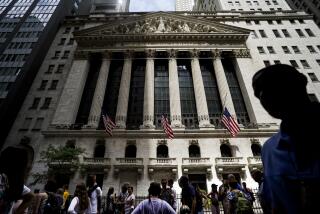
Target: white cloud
152	5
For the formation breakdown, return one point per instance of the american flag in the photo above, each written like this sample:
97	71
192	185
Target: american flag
230	123
166	127
108	124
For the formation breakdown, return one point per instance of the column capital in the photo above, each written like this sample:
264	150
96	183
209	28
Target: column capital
195	53
216	53
172	53
150	53
128	54
241	53
81	55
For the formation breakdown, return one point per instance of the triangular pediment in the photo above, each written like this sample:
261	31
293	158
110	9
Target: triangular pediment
158	24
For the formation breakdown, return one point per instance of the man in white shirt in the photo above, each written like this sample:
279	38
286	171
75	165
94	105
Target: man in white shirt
95	194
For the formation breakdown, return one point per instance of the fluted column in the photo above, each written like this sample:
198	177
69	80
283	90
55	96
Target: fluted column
69	102
199	92
95	111
174	91
222	83
148	102
123	99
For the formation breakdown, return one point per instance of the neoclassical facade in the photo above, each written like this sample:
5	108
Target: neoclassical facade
136	67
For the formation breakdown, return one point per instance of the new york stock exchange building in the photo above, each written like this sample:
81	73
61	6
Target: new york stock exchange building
136	67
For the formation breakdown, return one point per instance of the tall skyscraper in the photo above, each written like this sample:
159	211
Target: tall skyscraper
311	7
27	28
136	67
184	5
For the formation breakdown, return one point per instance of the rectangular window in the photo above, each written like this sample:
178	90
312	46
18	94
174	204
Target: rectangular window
62	41
65	54
279	22
26	124
35	103
277	62
60	68
285	49
248	22
271	50
46	103
299	32
50	69
285	33
276	33
310	33
71	41
305	64
257	22
318	46
268	3
263	34
292	21
294	63
56	55
311	49
43	85
54	84
301	21
261	50
67	30
270	22
38	124
318	61
296	49
266	63
313	77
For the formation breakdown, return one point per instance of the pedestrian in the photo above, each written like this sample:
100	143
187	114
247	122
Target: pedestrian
81	201
166	193
65	194
290	158
213	195
153	204
110	201
239	202
95	194
173	193
248	191
188	194
223	189
13	172
129	201
257	175
121	198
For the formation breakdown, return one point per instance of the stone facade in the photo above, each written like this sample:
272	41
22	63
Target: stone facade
207	152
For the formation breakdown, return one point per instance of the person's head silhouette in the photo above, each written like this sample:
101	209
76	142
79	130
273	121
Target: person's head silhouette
281	90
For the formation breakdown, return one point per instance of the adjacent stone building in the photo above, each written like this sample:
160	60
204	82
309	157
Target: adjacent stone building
140	66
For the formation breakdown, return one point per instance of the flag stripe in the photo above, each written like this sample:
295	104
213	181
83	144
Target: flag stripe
109	125
166	127
230	123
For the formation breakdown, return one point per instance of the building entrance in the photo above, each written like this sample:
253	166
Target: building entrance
198	179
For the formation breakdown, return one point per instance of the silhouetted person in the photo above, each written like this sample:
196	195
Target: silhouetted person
291	157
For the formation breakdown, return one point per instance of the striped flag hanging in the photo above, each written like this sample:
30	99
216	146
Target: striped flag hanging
230	123
108	124
166	127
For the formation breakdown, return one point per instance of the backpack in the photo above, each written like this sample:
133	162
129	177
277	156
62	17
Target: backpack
243	204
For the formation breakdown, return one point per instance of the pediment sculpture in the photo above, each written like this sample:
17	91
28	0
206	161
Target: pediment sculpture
162	24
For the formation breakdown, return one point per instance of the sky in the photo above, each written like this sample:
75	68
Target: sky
152	5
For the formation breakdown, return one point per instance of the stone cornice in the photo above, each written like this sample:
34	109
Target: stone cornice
179	134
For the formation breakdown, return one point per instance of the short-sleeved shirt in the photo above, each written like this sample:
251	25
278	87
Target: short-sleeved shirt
154	205
188	194
281	186
94	199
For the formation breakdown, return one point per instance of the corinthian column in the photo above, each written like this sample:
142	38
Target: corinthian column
148	102
199	92
174	92
69	102
95	111
123	99
222	83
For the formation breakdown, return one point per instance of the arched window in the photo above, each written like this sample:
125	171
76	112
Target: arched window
225	151
100	149
162	151
194	151
131	151
256	149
